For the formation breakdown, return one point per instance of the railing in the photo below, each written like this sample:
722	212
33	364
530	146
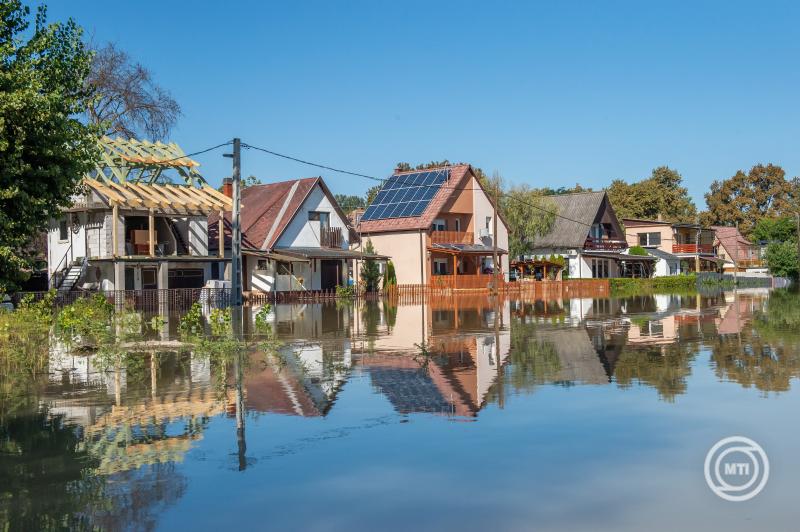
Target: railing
57	277
331	237
452	237
693	248
605	245
750	263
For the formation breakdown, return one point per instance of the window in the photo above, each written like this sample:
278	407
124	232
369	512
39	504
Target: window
440	266
262	264
439	225
488	221
650	239
322	217
284	268
600	268
63	231
596	232
458	224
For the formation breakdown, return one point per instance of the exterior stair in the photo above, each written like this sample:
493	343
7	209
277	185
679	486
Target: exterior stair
183	249
71	276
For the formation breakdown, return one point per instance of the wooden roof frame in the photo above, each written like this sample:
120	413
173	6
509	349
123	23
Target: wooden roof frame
165	199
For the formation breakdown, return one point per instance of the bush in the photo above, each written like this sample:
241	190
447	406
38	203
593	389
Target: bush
390	277
345	292
782	259
638	251
673	283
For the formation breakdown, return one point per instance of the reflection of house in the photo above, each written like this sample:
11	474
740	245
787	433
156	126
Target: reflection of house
679	247
577	354
644	331
130	231
294	237
435	222
587	233
737	252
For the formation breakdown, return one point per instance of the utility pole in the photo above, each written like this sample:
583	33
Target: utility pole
736	261
236	227
798	235
495	262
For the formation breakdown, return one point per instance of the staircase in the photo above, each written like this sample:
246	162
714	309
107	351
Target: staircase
183	249
71	276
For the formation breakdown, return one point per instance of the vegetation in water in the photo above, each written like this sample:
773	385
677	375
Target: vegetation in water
621	287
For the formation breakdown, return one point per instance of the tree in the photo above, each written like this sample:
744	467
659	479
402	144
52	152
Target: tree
775	230
661	194
127	101
782	259
371	193
746	198
349	203
370	273
44	148
390	279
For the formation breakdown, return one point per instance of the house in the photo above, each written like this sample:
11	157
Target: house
679	247
436	223
587	233
130	228
294	237
738	253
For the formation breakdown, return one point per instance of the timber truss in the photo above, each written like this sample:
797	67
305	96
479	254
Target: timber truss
141	161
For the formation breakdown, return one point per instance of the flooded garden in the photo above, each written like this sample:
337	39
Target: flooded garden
465	412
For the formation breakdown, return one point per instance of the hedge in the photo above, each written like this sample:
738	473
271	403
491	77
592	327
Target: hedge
672	283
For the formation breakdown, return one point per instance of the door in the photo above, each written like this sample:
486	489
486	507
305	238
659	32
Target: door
329	273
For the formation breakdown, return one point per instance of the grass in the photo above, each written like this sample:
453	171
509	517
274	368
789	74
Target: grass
621	287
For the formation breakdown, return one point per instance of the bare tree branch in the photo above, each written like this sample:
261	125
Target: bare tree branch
127	101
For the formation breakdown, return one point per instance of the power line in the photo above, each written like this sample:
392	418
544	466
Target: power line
384	180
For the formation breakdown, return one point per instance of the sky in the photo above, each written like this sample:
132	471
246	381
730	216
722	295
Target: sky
545	93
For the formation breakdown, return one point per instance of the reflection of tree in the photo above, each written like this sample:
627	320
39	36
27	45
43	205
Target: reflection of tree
767	355
45	484
530	361
665	368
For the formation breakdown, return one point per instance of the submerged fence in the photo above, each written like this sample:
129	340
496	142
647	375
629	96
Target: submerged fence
159	300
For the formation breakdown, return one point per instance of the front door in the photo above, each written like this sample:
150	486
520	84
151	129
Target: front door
330	273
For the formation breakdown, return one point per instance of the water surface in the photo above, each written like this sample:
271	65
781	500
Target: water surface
465	413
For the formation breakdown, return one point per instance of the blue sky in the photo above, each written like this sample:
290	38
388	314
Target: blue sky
547	93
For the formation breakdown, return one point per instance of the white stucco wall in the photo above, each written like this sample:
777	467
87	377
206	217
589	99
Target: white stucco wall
304	233
482	209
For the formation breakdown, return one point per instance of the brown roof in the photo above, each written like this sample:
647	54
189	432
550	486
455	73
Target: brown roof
459	177
734	242
267	211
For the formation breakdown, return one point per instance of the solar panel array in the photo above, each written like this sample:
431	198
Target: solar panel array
405	195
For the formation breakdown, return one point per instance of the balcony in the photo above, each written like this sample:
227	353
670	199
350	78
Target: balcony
750	263
603	244
452	237
706	249
331	237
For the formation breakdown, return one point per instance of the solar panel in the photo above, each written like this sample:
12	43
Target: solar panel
406	195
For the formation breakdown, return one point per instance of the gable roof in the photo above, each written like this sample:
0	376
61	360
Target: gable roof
267	210
576	214
460	176
733	241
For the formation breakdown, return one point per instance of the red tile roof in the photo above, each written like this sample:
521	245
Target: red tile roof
737	246
265	207
460	175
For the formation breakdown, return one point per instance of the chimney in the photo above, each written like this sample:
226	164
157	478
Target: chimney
227	187
660	218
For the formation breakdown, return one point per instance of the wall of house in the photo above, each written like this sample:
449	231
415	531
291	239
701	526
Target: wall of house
580	266
482	208
303	233
405	251
632	235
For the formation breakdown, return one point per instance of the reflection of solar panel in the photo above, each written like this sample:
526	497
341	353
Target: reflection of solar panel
405	195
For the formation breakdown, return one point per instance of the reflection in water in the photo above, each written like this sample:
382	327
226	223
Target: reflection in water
82	446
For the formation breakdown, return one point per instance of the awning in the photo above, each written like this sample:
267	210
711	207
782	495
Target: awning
473	249
327	253
272	255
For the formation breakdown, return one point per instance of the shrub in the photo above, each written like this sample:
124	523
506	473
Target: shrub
674	283
638	251
390	278
345	292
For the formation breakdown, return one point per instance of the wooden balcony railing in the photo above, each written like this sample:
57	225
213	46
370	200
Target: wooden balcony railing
331	237
693	248
605	244
452	237
750	263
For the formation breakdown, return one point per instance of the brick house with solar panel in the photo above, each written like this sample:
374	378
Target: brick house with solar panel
435	222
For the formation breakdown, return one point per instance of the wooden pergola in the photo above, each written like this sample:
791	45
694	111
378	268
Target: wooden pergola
130	176
545	264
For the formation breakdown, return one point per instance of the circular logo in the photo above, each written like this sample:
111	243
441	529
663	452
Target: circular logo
736	468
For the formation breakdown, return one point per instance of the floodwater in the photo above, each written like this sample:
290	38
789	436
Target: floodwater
466	414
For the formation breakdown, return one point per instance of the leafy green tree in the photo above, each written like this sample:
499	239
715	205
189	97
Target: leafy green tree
349	203
390	278
746	198
370	273
782	259
775	230
44	148
371	193
661	194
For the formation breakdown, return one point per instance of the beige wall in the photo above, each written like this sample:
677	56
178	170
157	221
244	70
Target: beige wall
632	235
405	252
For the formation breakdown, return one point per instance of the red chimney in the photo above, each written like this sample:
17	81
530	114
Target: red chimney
227	187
